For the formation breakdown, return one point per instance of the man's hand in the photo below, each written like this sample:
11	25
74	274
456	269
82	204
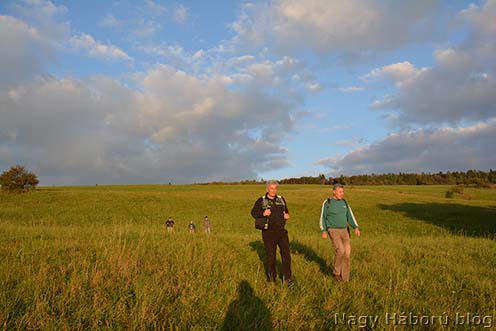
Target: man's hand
286	216
324	235
357	232
266	212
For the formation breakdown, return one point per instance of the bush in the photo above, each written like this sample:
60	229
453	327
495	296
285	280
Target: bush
18	179
449	194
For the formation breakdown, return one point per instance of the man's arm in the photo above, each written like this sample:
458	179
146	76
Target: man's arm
286	210
322	222
352	220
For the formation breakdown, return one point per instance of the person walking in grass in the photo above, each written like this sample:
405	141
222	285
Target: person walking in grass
335	216
207	224
192	227
273	209
169	224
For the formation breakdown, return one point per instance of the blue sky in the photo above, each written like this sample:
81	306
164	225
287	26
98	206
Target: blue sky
193	91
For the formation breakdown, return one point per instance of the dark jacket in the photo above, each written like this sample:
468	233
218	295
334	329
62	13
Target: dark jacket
277	208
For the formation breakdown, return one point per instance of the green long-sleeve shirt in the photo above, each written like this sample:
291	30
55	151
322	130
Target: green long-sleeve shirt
336	214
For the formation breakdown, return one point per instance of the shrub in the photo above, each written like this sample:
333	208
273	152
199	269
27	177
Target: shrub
18	179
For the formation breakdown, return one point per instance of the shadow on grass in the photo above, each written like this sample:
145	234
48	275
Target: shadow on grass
458	219
310	255
247	311
259	247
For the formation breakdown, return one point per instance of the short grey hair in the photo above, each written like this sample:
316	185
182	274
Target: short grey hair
271	182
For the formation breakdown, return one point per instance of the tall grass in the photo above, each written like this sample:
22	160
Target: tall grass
78	258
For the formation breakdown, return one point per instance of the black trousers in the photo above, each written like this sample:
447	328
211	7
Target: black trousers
271	240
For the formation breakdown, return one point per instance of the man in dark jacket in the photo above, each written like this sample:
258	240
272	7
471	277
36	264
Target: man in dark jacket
274	208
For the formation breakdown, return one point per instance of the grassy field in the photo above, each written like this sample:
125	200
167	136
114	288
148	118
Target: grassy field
77	258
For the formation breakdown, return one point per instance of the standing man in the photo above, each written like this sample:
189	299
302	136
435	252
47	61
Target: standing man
207	224
273	207
335	216
169	223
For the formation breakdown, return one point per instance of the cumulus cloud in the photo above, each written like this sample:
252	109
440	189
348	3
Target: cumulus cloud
97	49
350	89
459	87
28	47
18	61
175	126
351	29
44	15
451	104
428	150
180	14
226	121
397	72
110	21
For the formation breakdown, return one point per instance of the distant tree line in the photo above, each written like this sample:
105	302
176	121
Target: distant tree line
470	177
320	179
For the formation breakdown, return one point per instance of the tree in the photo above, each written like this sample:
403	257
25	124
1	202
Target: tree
19	179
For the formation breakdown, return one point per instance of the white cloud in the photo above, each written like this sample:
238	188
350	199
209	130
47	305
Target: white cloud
27	47
28	50
428	150
110	21
43	15
398	72
174	127
459	87
97	49
180	14
351	28
350	89
178	124
153	8
314	87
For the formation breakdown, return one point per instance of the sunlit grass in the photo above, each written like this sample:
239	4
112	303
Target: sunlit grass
100	258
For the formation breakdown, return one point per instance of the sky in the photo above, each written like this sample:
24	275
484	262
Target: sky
118	92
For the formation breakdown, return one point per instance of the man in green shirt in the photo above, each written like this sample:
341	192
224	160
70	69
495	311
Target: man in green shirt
335	217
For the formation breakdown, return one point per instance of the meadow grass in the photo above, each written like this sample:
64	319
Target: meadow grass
77	258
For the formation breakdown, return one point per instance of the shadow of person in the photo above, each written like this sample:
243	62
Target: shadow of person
259	247
247	311
466	220
310	255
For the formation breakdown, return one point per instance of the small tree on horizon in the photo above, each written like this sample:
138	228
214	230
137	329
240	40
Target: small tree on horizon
18	179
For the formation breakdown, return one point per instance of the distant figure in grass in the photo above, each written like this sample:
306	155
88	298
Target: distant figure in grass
169	224
335	216
192	227
207	224
273	209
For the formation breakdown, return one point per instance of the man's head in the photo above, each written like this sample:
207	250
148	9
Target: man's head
271	187
338	191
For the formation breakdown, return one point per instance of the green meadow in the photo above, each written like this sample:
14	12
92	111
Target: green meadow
79	258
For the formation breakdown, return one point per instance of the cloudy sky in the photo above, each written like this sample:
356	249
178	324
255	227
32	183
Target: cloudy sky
159	91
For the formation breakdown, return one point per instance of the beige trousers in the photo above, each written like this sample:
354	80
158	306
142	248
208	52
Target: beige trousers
342	253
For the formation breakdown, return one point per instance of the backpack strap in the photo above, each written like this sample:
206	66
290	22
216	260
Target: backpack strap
265	202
